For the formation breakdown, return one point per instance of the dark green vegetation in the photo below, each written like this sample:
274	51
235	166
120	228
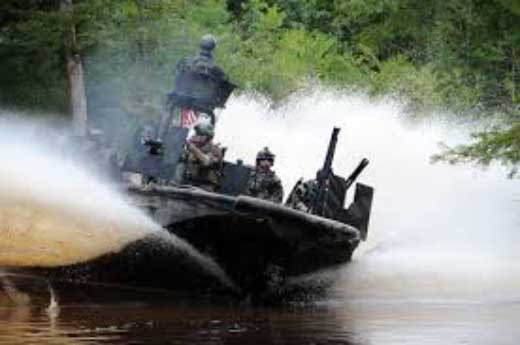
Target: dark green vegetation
460	55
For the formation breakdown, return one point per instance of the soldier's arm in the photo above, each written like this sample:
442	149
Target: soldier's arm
277	195
250	184
204	159
216	155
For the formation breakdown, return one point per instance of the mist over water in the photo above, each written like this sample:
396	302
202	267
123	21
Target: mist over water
440	265
436	230
52	210
56	211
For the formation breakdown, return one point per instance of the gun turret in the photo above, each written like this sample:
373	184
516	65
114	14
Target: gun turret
200	86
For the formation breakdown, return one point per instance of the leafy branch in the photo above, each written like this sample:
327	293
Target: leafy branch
500	145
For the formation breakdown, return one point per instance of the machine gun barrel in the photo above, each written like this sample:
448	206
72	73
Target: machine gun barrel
359	169
324	174
327	165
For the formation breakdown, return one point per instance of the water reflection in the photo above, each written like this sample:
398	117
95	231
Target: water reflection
355	322
442	267
170	324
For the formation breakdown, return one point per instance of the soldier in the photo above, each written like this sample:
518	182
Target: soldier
201	163
263	182
305	194
302	195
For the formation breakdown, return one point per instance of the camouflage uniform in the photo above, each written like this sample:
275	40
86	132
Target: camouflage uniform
265	185
263	182
201	164
302	195
204	174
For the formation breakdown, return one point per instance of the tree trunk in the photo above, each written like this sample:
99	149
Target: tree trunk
513	75
76	87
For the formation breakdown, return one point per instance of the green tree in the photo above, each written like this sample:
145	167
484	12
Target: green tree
460	55
497	145
32	69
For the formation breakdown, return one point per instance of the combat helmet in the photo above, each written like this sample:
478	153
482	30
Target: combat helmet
265	154
205	128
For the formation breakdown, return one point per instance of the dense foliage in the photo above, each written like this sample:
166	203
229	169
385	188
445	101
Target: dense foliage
461	55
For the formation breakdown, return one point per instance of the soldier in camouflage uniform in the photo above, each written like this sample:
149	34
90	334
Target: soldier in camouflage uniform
302	195
305	194
263	182
201	163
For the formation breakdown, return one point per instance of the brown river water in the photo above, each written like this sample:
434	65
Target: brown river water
441	265
176	320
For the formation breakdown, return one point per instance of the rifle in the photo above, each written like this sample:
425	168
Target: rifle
317	205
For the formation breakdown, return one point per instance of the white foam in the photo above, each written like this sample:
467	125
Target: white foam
428	221
52	210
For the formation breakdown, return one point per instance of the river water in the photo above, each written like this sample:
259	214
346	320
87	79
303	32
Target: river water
441	264
349	322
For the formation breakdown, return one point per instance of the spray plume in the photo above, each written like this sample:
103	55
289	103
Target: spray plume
53	211
432	226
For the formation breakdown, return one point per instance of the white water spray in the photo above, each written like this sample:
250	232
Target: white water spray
53	310
433	227
55	212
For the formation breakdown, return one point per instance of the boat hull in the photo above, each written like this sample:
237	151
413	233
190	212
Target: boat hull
256	242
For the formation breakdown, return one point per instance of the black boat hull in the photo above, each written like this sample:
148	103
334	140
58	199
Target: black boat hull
257	243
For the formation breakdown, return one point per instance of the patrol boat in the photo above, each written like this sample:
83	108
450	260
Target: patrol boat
256	244
255	241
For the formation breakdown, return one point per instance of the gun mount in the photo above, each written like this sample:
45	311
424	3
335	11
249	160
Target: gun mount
325	196
324	174
200	87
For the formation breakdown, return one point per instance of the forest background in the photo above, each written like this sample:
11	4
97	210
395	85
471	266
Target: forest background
456	56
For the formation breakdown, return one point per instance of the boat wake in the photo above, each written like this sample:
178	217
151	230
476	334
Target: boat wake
60	220
436	230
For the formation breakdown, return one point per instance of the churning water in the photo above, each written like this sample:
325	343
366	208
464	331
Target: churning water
436	230
54	211
440	265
